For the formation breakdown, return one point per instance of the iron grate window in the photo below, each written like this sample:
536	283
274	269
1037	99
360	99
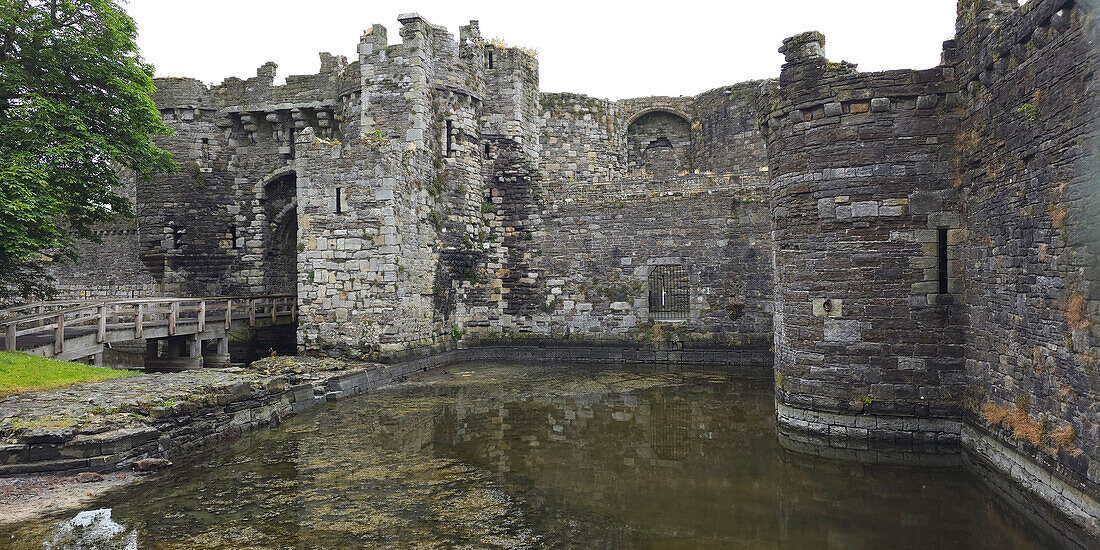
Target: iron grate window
668	293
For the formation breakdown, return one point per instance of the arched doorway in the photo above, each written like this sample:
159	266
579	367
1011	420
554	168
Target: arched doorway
281	250
659	145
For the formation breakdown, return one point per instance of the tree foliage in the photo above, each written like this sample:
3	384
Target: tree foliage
75	111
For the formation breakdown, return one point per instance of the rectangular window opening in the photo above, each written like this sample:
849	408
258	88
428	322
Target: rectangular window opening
339	200
450	138
490	59
486	150
233	236
943	259
669	293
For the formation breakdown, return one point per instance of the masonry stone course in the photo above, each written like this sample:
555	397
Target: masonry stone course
918	249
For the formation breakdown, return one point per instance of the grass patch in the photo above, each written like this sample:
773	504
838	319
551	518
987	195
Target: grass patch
23	424
20	372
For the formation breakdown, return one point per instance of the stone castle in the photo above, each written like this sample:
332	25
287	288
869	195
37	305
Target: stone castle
919	247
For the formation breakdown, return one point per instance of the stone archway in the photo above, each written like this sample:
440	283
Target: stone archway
281	237
658	144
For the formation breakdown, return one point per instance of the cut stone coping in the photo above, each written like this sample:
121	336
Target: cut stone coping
105	426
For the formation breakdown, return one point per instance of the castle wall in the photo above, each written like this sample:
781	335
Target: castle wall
583	139
110	268
364	273
1027	154
728	138
174	237
600	243
512	98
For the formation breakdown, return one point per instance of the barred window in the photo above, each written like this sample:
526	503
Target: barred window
669	293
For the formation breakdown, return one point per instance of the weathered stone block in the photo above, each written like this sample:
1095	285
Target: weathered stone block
865	209
837	330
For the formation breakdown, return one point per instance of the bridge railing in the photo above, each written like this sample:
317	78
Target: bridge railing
37	308
139	314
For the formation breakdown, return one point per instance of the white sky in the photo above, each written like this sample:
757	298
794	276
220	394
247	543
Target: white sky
605	49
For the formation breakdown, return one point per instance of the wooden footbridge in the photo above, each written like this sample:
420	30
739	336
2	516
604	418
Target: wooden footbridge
179	332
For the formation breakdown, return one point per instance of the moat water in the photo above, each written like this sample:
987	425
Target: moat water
505	456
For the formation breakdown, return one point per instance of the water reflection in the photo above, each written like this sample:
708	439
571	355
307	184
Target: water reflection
553	457
91	530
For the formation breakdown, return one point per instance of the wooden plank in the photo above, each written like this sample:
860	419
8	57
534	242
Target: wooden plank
252	312
35	330
202	316
101	328
11	337
173	312
229	314
59	335
139	321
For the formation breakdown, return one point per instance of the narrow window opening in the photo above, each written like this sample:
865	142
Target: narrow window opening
450	138
205	141
486	150
943	259
233	236
177	233
490	59
339	200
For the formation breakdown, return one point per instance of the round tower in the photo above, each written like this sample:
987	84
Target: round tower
867	330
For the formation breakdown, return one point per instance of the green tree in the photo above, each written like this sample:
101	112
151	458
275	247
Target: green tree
75	112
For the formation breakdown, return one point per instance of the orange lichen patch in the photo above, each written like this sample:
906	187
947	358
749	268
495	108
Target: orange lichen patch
1076	316
1057	216
1023	427
1017	420
1062	436
993	413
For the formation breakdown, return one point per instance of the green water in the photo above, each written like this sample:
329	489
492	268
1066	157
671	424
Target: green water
547	457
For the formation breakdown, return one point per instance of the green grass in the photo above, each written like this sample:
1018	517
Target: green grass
20	372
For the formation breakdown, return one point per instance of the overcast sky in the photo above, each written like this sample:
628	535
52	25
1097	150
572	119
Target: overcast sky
606	49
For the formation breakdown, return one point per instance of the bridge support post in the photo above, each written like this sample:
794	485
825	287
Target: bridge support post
219	355
181	353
